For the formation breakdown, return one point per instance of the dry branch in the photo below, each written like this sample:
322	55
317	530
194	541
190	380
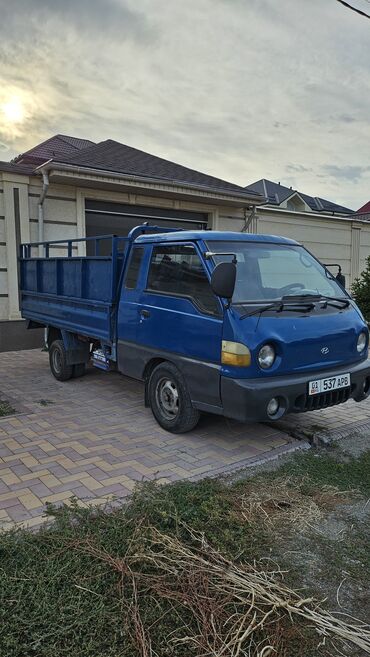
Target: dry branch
235	609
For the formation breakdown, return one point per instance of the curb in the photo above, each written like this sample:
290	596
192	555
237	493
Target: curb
323	437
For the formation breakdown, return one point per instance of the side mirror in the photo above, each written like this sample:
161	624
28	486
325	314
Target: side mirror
223	279
341	279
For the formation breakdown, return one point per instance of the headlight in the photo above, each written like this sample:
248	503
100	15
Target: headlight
361	342
235	353
266	356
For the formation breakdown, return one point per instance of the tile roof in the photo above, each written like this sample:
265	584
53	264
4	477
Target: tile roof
113	156
277	194
119	158
365	209
25	169
56	146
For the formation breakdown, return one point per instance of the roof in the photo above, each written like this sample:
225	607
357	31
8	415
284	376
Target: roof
25	169
57	146
121	159
276	194
113	156
365	209
213	236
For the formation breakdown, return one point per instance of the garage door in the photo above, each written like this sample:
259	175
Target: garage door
103	218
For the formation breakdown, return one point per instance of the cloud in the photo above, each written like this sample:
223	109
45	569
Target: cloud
235	88
347	173
280	124
54	18
297	168
346	118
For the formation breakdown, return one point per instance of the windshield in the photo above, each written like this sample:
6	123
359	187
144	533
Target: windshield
266	272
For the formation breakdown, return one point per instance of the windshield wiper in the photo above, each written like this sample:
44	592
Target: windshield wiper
280	305
340	302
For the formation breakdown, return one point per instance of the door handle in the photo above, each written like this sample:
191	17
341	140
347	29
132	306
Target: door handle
144	312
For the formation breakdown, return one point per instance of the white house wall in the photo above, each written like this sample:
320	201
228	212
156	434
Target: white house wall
364	246
335	240
60	215
3	259
330	239
64	218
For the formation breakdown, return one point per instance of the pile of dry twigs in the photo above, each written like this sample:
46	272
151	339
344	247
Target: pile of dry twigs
281	502
229	609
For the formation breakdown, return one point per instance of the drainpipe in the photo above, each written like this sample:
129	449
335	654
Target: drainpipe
248	220
45	186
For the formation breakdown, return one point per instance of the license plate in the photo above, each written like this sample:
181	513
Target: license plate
329	384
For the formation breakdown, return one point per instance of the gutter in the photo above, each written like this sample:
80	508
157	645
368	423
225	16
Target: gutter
48	166
45	187
309	215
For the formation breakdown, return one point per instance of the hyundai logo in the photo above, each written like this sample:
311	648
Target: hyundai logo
325	350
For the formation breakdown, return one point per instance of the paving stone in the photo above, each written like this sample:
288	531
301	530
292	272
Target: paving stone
97	440
10	501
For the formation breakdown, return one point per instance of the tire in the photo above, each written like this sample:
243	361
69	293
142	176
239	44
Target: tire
58	361
170	401
79	370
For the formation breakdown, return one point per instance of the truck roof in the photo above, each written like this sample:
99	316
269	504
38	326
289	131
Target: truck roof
212	235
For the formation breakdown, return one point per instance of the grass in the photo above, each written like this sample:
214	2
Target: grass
332	468
5	408
62	595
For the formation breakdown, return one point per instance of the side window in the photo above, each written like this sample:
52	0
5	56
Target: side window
132	274
179	270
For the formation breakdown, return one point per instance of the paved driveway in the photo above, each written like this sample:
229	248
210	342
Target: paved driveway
92	438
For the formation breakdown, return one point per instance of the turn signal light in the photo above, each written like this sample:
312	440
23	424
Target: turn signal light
235	353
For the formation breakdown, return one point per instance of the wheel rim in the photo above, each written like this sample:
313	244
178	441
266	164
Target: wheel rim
57	361
167	398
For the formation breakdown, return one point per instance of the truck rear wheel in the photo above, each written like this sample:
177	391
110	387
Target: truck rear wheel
58	361
170	401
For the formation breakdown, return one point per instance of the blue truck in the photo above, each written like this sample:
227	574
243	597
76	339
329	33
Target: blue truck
247	326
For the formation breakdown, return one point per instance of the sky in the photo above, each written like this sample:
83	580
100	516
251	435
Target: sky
240	89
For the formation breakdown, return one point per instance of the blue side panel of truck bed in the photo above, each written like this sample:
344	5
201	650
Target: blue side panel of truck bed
75	293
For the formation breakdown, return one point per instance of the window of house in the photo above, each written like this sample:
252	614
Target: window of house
134	268
178	270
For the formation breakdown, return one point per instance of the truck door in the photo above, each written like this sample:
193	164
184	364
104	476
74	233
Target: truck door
179	319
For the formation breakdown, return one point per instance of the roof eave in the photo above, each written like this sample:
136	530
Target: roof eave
54	168
311	215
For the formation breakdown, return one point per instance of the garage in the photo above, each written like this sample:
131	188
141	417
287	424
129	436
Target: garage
106	218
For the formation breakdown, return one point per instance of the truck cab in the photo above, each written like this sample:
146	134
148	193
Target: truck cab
251	327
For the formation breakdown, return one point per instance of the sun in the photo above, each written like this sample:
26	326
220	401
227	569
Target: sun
13	110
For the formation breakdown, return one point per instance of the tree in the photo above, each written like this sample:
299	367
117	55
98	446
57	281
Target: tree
361	291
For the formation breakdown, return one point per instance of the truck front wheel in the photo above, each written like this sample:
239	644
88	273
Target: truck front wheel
58	361
170	401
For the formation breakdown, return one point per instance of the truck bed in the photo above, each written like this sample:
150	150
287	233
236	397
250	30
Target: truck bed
73	292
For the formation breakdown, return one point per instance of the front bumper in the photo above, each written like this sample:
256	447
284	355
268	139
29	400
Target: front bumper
246	400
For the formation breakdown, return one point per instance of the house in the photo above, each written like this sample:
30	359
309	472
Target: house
332	232
67	187
278	195
364	212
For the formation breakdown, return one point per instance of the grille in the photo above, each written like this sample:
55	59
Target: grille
325	399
